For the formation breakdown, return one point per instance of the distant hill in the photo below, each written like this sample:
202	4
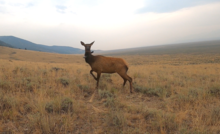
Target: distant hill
24	44
181	48
4	44
13	54
178	48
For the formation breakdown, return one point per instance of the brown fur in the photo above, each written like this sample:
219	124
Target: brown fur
101	64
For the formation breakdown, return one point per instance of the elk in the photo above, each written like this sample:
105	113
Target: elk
101	64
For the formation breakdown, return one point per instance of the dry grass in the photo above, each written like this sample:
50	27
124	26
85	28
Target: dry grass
28	55
173	94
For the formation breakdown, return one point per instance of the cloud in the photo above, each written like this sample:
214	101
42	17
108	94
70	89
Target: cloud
191	24
11	7
170	5
2	6
30	5
90	3
111	23
61	8
2	2
2	9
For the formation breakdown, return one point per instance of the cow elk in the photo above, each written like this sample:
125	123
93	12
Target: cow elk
101	64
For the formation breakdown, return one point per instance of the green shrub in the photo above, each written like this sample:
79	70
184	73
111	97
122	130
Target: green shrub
215	115
56	69
64	81
105	94
83	87
86	90
161	120
141	89
115	122
159	92
30	87
5	85
67	105
215	91
110	102
64	105
49	107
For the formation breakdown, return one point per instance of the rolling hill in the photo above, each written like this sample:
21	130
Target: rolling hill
4	44
7	53
24	44
197	49
179	48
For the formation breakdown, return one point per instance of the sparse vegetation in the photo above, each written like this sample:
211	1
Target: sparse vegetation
64	82
172	94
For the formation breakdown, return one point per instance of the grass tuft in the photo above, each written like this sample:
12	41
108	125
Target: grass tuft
64	81
67	105
215	91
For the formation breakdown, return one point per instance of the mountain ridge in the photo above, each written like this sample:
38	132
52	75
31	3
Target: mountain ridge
5	44
212	46
189	47
25	44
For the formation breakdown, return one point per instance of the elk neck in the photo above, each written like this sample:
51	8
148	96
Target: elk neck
89	58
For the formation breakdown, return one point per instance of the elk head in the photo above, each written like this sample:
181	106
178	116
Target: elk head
87	47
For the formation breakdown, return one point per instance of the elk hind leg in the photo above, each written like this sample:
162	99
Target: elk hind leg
126	77
130	81
125	80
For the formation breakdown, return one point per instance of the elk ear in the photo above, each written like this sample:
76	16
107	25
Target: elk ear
82	43
92	43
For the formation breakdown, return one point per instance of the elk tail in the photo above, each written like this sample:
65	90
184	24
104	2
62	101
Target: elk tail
126	67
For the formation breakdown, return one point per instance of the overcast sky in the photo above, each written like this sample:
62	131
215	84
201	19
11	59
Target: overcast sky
112	24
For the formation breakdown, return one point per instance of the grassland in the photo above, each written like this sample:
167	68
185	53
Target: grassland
50	93
203	47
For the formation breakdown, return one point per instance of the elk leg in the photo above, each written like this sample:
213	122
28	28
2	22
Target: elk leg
126	77
98	76
93	75
130	80
125	80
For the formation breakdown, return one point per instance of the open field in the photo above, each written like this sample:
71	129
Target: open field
28	55
208	47
50	93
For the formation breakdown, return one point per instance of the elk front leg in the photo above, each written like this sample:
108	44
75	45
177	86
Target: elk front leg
98	76
93	75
